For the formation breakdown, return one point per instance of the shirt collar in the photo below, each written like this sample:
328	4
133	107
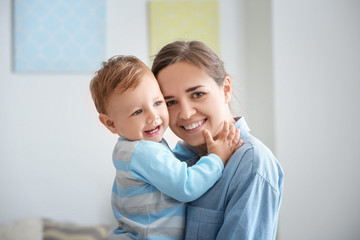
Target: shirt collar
244	128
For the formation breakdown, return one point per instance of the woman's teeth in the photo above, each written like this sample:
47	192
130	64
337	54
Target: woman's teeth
194	125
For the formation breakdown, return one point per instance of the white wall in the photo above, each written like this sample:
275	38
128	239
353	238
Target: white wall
258	69
317	115
55	156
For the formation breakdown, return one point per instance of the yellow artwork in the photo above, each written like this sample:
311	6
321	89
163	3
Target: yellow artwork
183	20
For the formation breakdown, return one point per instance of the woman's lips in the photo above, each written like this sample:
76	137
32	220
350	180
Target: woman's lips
194	125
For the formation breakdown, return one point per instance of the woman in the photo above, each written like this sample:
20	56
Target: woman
245	202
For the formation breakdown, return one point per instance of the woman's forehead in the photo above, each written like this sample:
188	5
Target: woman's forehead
183	74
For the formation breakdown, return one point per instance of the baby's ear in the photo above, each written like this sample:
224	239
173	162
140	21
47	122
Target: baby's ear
108	122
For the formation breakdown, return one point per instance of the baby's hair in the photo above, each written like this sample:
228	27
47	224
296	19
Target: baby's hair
118	73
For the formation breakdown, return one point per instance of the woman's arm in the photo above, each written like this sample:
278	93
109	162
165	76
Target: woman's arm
252	214
253	202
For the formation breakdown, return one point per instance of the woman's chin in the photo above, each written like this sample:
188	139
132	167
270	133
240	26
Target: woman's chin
196	142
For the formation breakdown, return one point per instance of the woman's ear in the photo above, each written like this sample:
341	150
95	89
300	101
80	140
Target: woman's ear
108	122
227	89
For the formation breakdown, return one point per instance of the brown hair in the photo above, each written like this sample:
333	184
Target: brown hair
120	73
194	52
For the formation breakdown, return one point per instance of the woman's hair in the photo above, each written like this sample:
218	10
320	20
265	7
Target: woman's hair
118	73
193	52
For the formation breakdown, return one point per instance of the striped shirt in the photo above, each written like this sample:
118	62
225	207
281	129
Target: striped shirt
151	187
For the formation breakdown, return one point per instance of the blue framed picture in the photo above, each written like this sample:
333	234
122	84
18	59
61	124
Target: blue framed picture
58	35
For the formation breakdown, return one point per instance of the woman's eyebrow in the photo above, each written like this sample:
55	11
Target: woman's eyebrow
168	97
193	88
187	90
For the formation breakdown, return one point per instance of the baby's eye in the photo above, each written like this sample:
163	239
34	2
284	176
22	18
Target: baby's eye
157	103
198	94
137	112
170	103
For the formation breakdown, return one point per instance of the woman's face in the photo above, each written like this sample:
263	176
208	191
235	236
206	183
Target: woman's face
194	101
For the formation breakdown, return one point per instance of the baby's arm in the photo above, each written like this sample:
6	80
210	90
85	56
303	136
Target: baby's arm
226	144
155	164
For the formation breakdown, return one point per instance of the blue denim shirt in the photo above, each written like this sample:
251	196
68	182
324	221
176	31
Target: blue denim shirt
245	202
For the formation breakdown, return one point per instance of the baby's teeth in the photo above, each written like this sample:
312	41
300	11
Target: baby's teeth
155	130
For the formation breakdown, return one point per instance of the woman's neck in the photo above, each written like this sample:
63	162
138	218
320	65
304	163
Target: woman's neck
202	149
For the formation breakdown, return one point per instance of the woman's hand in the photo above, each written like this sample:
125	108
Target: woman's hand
226	144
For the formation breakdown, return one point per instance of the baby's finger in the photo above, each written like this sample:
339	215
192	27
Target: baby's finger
224	131
238	141
208	137
231	133
238	145
236	138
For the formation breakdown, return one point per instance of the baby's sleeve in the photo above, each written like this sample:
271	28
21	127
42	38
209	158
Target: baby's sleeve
186	153
155	164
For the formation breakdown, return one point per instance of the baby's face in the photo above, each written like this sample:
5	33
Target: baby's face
139	113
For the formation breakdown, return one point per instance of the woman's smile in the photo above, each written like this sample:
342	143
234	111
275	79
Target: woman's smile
194	125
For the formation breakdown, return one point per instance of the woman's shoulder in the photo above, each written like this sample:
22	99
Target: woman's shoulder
254	158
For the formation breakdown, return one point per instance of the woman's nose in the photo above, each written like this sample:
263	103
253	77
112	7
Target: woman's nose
186	110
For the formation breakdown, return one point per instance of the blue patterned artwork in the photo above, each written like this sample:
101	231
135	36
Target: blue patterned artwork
58	35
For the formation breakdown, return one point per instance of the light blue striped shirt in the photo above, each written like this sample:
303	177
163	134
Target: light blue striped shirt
151	186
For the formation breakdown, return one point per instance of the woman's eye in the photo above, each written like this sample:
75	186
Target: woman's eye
198	94
170	103
137	112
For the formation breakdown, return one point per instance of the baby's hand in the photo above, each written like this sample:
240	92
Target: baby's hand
227	143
